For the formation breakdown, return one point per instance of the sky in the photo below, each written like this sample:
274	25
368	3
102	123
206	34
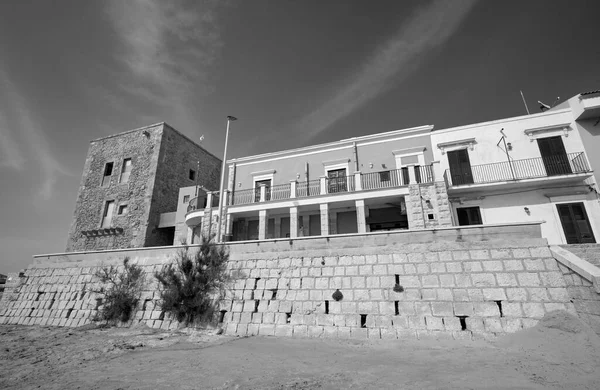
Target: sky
295	73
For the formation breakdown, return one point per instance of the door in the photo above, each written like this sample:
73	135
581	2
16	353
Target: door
337	181
257	185
460	167
284	229
554	156
575	223
253	230
109	209
314	225
468	216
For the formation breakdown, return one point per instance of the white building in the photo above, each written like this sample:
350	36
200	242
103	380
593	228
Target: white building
526	168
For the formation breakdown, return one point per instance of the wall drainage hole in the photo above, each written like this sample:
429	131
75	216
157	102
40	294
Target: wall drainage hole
463	322
256	303
397	278
38	296
326	307
222	316
363	320
145	304
396	308
69	312
161	317
256	283
274	296
51	304
31	312
499	303
82	295
288	317
98	302
300	282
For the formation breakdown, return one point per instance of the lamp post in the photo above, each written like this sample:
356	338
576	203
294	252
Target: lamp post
221	185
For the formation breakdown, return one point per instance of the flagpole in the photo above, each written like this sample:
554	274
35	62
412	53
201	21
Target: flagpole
221	185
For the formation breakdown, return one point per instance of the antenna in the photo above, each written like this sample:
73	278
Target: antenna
543	106
524	102
556	101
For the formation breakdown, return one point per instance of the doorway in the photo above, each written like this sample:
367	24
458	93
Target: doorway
575	223
468	216
460	167
554	156
257	185
337	181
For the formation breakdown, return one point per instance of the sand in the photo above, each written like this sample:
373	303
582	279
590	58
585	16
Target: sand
560	352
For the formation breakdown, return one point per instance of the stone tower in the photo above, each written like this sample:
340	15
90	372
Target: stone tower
129	179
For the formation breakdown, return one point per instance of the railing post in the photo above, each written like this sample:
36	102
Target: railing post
436	167
357	181
411	174
293	186
263	192
209	196
323	183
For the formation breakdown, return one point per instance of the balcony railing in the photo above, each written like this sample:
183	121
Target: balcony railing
335	185
530	168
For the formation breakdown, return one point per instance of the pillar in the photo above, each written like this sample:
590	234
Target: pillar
411	174
324	207
228	225
262	222
293	222
361	216
263	192
209	197
277	231
438	173
357	181
293	186
323	182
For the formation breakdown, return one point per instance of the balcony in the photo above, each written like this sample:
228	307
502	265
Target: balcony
334	185
530	172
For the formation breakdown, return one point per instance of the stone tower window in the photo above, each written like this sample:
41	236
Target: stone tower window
192	175
125	171
186	199
108	168
122	209
108	213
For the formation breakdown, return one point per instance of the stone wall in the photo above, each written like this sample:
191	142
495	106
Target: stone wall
462	282
584	297
425	200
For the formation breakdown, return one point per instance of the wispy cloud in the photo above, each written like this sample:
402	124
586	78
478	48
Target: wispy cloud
391	62
169	46
25	127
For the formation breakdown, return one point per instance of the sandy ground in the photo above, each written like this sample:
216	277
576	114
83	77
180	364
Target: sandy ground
561	352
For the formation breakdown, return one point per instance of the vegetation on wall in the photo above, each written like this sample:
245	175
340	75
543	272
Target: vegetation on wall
121	291
191	287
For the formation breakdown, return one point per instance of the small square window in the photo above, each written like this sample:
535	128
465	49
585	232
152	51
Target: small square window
192	175
122	209
186	199
430	216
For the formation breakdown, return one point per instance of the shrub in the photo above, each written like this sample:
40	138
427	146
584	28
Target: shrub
121	291
191	287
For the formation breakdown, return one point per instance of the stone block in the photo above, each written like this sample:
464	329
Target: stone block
552	279
368	308
485	309
416	257
351	270
483	280
399	257
387	308
472	266
555	306
400	322
513	265
506	279
492	266
520	253
438	267
410	269
447	280
493	325
300	331
365	269
528	279
512	309
283	330
358	333
416	322
542	251
451	324
501	254
430	281
454	267
380	269
558	294
445	294
429	294
493	294
373	333
442	309
551	265
475	324
388	334
361	295
348	307
534	264
463	280
434	323
517	294
358	260
406	334
475	294
533	310
410	281
479	254
460	255
463	308
537	294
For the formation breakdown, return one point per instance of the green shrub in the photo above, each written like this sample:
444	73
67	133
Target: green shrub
191	287
121	292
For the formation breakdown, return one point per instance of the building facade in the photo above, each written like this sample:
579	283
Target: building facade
131	182
377	182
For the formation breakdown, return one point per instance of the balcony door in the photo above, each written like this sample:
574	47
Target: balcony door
554	156
338	182
575	223
257	185
460	167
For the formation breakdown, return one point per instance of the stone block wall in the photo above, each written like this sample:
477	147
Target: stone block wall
583	296
419	209
468	282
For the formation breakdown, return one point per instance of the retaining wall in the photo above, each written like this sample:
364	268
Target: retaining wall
459	282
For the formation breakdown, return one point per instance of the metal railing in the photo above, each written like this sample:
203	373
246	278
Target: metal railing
383	179
308	188
530	168
337	184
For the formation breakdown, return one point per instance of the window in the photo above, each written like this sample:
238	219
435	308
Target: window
122	209
337	180
108	168
468	216
418	173
186	199
192	175
258	184
109	208
125	171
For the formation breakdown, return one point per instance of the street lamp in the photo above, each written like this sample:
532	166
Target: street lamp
221	185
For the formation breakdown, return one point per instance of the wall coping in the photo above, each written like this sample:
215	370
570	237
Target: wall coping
583	268
271	240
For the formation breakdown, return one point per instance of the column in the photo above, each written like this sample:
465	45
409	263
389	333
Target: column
293	186
323	185
228	226
411	174
263	192
277	232
209	197
189	236
293	222
324	207
357	181
262	223
361	216
438	174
